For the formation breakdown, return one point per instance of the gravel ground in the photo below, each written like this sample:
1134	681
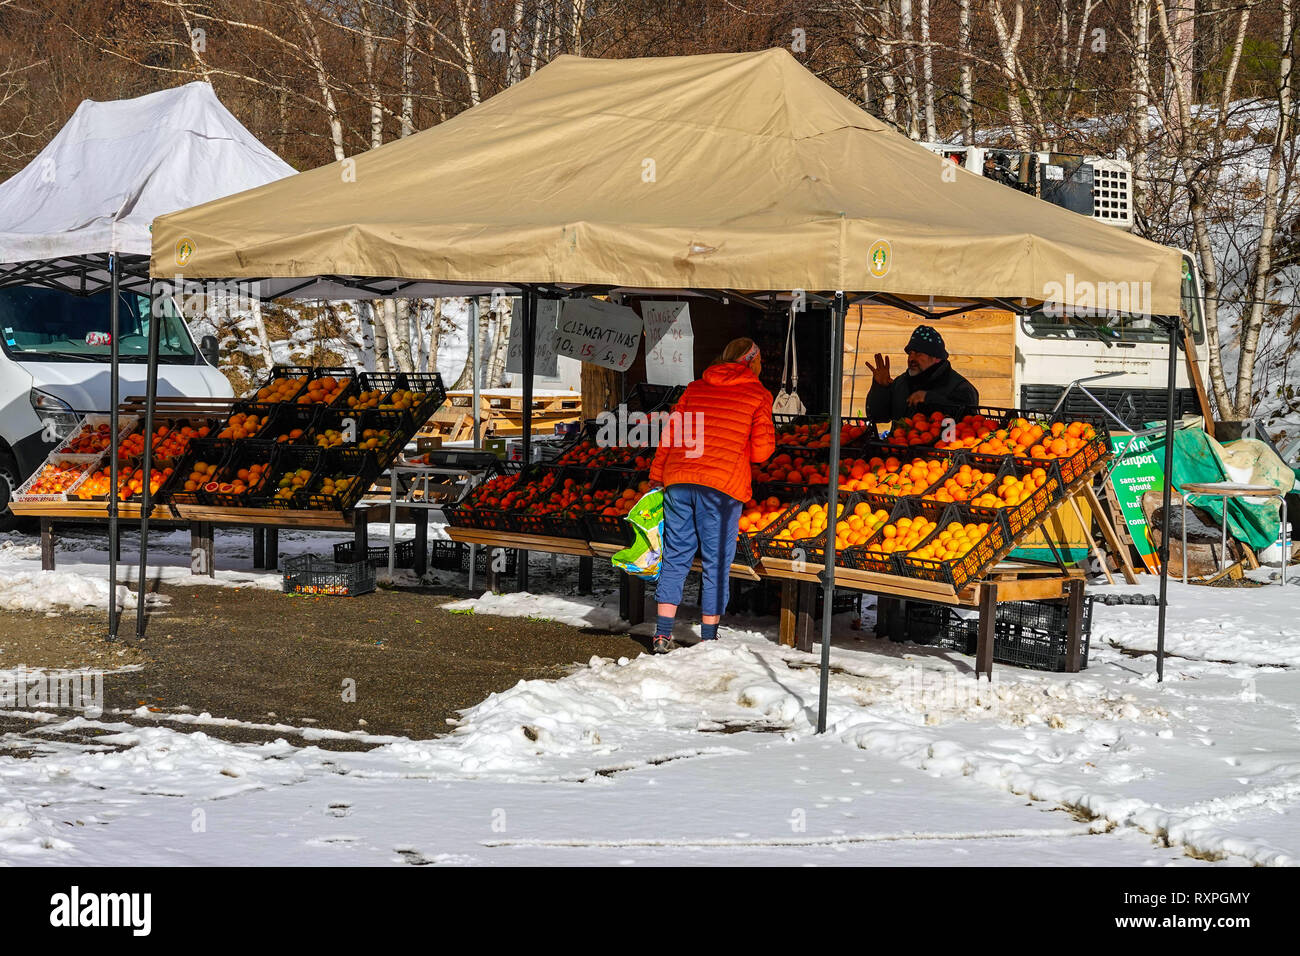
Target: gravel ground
267	657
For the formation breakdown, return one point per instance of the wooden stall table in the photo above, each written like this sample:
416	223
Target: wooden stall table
529	542
501	413
1003	582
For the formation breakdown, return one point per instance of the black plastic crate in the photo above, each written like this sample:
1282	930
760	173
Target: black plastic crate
747	550
768	545
785	423
304	372
265	412
610	456
1033	634
645	397
243	454
210	451
397	424
286	418
956	572
360	465
429	383
1022	515
454	556
862	557
378	557
308	574
287	458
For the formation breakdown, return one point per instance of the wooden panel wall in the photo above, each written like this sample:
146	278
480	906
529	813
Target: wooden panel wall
981	346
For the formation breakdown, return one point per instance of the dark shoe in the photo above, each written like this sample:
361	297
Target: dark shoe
662	644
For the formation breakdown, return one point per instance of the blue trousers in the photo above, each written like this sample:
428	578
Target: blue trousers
699	520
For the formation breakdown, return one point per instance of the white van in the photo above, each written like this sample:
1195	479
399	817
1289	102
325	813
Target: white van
54	367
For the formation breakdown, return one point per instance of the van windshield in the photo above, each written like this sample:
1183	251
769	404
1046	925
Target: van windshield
55	325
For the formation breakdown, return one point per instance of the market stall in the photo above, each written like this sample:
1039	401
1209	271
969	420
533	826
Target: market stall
299	452
737	176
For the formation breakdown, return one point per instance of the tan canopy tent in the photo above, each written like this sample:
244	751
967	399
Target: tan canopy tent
726	171
735	172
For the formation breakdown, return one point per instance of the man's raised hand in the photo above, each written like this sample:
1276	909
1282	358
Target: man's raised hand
880	371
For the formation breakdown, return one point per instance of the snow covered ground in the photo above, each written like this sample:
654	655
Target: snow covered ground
708	755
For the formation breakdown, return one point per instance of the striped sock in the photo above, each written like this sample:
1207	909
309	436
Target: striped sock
708	632
664	625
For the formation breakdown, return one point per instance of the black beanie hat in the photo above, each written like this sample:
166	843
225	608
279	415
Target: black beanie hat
927	341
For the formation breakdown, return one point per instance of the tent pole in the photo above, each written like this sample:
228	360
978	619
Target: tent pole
832	500
529	337
474	360
1168	490
115	279
146	496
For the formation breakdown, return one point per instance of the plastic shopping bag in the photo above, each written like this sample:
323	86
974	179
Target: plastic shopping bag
642	557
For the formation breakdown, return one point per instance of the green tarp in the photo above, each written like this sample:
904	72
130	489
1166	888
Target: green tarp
1197	458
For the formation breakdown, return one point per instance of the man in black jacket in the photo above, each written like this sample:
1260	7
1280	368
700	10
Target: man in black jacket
930	383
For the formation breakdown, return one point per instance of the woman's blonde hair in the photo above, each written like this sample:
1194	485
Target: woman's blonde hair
736	351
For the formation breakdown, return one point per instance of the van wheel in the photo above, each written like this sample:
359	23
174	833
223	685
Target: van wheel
8	485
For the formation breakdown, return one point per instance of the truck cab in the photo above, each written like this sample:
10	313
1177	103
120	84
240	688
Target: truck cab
54	367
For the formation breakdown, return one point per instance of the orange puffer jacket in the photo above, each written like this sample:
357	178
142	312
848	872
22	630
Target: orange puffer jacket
722	422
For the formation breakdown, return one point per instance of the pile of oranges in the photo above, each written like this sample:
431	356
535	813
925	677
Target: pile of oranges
892	477
952	542
336	485
98	483
132	484
329	438
756	516
622	503
290	482
373	438
364	400
1012	490
1026	439
242	425
244	479
168	442
55	478
817	434
91	440
323	390
963	485
969	432
281	389
919	429
402	400
850	530
902	535
200	476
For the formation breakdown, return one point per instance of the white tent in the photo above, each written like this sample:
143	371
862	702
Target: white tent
115	167
79	216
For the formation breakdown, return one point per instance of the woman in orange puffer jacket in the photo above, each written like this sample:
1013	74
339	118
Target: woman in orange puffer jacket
721	424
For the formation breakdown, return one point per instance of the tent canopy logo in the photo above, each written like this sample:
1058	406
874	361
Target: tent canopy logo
184	249
878	257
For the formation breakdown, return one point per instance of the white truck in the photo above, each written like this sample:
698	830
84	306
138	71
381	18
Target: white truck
54	367
1053	351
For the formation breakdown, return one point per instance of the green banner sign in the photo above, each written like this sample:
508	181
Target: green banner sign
1136	472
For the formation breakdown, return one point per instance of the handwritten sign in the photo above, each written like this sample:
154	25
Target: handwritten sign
669	343
544	363
599	332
